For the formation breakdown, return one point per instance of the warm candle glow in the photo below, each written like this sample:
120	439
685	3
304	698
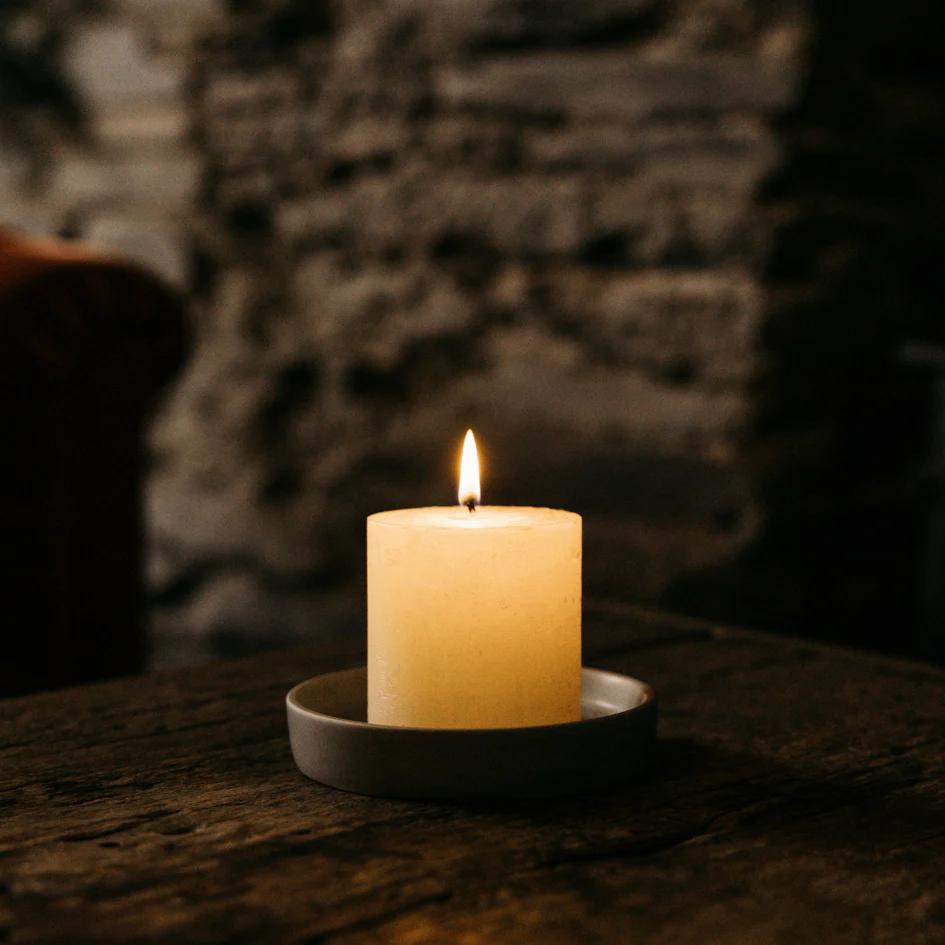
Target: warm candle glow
469	473
474	613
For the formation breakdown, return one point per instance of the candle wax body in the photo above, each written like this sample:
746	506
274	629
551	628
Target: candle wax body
474	618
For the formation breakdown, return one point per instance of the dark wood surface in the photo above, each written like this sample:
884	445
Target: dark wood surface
799	797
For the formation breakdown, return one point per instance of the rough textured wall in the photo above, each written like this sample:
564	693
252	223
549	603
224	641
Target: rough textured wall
417	217
552	221
837	447
402	218
94	124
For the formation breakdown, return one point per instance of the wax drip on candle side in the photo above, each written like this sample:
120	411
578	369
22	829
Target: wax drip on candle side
469	492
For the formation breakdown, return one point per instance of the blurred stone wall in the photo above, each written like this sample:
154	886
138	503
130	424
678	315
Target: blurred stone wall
551	221
95	124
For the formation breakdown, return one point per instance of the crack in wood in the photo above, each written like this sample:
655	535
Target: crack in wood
379	919
137	821
627	849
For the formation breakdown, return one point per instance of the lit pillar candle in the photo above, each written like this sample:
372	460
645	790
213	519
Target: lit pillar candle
474	613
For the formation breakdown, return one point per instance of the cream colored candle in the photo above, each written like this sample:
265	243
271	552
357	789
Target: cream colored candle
474	616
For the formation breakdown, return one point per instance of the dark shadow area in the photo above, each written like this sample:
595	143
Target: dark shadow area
842	428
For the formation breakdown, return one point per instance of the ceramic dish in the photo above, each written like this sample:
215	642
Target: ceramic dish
332	743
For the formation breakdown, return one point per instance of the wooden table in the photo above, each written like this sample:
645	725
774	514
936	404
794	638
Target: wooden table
799	797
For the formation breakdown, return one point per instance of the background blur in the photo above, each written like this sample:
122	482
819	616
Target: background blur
678	262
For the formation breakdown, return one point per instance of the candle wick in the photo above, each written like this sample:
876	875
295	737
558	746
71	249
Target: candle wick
470	504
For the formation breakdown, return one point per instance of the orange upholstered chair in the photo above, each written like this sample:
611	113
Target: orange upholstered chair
86	342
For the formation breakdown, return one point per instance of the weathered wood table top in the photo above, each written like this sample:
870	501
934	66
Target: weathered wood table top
799	797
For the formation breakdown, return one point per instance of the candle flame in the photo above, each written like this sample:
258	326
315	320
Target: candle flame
469	473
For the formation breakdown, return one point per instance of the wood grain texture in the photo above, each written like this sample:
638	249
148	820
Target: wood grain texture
799	797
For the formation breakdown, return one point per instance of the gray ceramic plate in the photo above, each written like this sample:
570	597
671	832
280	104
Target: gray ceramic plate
332	743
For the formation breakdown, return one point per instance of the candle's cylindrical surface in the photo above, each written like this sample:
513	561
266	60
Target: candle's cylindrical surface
474	618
